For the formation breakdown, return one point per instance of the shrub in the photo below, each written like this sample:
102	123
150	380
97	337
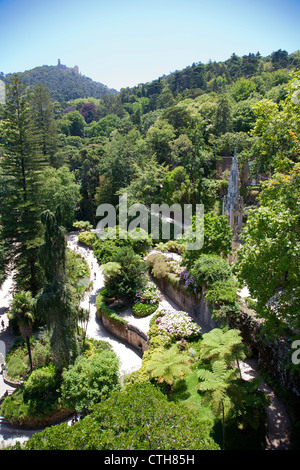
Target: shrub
149	294
142	310
88	238
40	354
106	246
146	300
217	239
158	265
188	282
172	245
106	250
77	268
209	269
89	380
16	368
82	225
178	325
157	337
131	278
35	401
40	382
103	308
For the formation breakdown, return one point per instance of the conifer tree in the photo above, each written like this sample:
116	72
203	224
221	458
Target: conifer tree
54	302
42	115
21	165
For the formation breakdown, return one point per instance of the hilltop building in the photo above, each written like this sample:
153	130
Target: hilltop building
64	67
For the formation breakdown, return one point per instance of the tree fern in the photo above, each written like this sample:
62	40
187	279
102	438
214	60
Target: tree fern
216	384
168	365
223	345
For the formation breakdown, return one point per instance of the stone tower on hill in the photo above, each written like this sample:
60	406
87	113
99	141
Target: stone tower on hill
64	67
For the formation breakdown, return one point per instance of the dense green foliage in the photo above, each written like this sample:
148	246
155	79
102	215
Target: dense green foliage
138	418
125	275
269	259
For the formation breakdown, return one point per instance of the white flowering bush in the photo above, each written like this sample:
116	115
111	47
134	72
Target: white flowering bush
178	325
148	295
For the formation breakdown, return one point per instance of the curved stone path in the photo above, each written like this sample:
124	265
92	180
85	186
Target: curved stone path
278	422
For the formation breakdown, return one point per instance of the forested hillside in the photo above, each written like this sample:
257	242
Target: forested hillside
64	84
158	142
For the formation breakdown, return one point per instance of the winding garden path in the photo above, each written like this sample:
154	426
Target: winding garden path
278	422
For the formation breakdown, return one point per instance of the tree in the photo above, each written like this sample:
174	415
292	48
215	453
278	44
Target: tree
88	111
126	281
279	59
159	138
3	256
42	114
217	238
60	188
118	164
242	89
21	164
54	302
216	384
168	365
145	187
21	311
165	99
74	123
277	130
177	187
89	177
268	261
223	345
223	115
89	380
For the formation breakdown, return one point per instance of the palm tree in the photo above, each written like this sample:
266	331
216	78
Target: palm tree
168	365
223	344
217	384
22	311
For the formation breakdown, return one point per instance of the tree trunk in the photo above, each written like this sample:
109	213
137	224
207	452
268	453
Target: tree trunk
223	426
26	332
29	352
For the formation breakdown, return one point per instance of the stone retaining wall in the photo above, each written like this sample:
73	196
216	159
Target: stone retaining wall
11	382
126	332
274	356
192	304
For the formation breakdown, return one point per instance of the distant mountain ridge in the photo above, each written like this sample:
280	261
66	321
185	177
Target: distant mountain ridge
64	83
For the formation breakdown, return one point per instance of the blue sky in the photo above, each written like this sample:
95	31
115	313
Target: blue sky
124	43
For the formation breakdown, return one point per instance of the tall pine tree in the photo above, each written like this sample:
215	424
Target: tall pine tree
54	303
21	166
42	115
